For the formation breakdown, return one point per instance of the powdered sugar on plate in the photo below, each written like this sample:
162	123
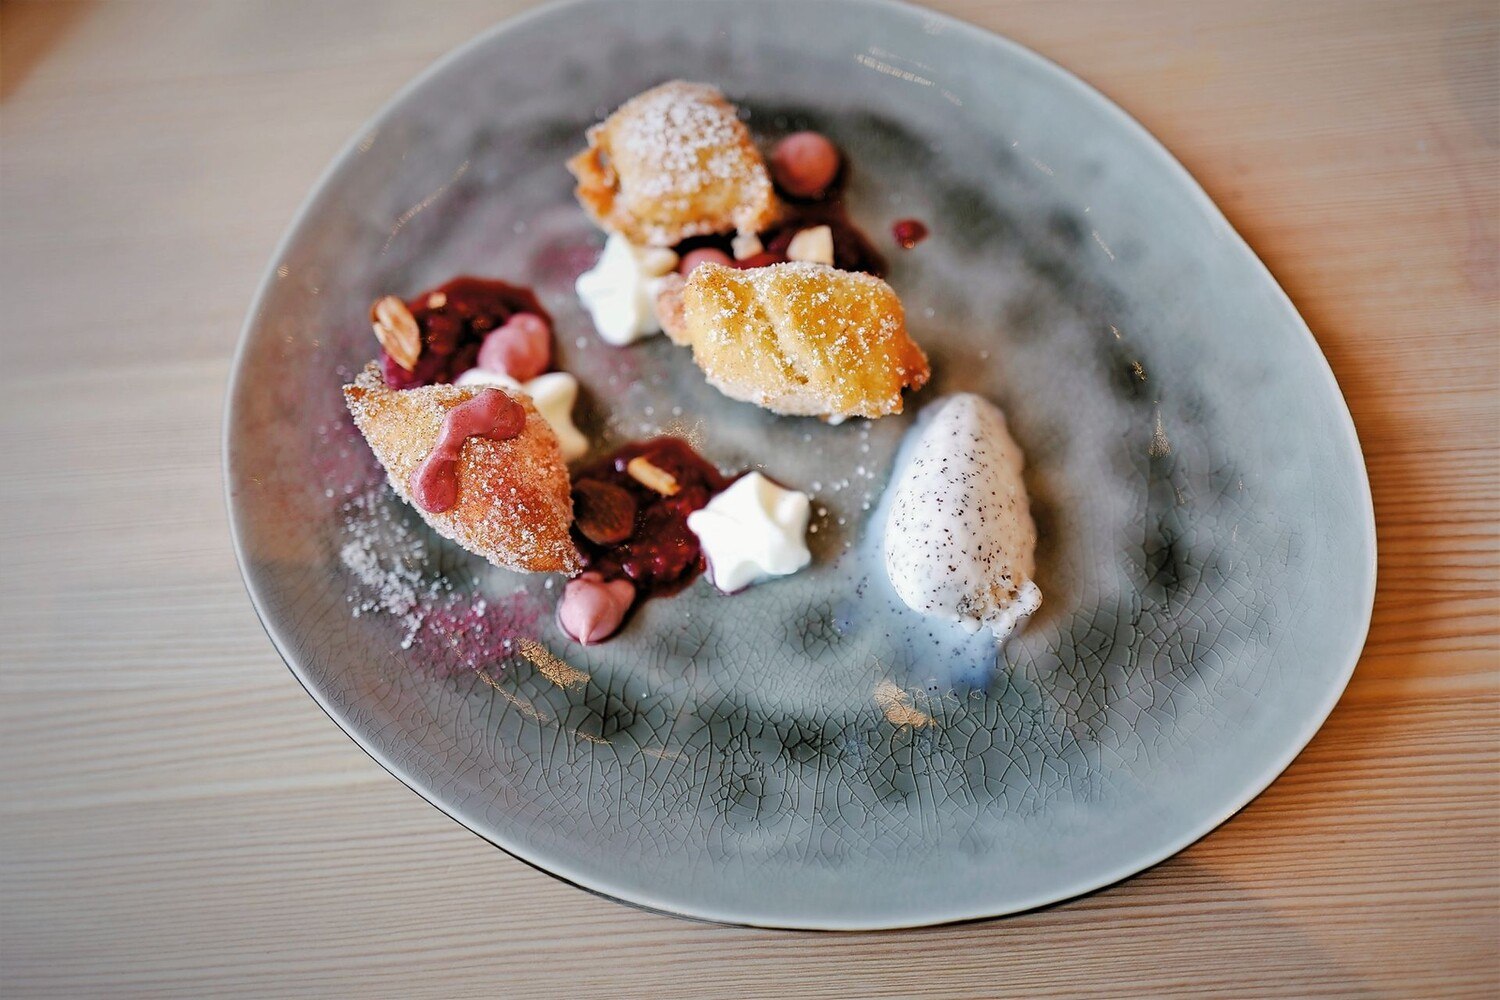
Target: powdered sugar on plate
392	562
386	558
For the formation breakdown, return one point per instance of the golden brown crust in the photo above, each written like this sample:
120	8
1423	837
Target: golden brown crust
669	308
673	162
514	500
801	338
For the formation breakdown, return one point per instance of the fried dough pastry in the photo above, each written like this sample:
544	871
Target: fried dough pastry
797	338
514	502
673	162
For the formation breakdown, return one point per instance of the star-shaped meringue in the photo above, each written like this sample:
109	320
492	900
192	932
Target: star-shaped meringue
752	530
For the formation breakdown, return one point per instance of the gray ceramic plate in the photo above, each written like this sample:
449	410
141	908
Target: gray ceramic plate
809	753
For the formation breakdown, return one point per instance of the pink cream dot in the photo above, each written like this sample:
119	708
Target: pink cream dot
593	608
521	348
805	164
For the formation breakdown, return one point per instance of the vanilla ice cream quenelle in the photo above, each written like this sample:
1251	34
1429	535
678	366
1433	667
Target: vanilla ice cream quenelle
960	544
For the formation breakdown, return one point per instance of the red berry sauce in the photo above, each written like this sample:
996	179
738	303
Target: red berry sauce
454	319
908	232
660	555
852	249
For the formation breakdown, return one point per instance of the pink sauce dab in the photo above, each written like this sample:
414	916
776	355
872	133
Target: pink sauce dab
520	348
593	608
489	414
908	232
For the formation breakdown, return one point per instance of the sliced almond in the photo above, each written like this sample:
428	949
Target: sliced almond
437	300
650	476
396	329
814	245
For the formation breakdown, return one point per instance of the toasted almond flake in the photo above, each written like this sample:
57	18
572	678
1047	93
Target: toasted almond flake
437	300
653	478
396	329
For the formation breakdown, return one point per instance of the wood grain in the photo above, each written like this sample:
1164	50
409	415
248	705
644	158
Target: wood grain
179	819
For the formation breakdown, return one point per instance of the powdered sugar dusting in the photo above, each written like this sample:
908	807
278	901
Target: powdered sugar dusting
689	131
389	563
672	162
385	558
802	338
513	504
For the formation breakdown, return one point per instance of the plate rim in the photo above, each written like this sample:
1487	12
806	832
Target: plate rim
932	915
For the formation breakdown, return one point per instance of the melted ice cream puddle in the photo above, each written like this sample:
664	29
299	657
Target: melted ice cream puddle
959	543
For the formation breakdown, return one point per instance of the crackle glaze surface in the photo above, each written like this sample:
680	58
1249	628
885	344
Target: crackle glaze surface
810	753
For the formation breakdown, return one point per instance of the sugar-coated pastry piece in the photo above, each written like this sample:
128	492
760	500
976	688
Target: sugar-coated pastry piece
673	162
669	307
513	505
797	338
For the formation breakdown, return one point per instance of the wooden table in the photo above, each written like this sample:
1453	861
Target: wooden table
179	818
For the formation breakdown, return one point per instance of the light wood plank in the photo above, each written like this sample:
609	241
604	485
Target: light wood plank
179	819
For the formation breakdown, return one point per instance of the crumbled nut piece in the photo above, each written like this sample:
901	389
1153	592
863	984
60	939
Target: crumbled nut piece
437	300
746	245
642	471
814	245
